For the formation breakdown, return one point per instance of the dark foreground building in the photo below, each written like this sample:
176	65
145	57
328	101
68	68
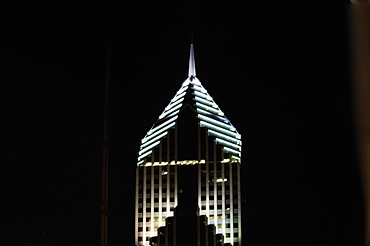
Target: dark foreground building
188	173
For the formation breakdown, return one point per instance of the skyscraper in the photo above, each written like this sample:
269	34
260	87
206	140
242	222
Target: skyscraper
191	149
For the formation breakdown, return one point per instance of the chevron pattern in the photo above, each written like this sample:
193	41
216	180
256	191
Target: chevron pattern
208	113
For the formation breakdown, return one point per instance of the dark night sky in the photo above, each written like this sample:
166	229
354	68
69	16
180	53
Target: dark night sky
279	72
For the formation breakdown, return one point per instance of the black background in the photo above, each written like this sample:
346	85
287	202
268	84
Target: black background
280	72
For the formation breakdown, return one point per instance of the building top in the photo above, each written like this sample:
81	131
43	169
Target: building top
208	113
191	62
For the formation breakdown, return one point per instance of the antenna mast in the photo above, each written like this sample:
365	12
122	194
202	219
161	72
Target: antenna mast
104	184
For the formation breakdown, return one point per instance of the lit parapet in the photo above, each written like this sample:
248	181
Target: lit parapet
158	127
225	137
216	122
222	130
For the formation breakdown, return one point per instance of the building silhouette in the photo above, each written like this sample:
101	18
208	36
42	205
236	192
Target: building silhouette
188	189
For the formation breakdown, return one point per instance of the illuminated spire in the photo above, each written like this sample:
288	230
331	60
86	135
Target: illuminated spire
191	62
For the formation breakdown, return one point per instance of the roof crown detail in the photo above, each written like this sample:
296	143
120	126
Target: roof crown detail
207	112
191	72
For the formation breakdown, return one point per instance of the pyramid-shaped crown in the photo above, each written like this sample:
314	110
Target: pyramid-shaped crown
208	114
